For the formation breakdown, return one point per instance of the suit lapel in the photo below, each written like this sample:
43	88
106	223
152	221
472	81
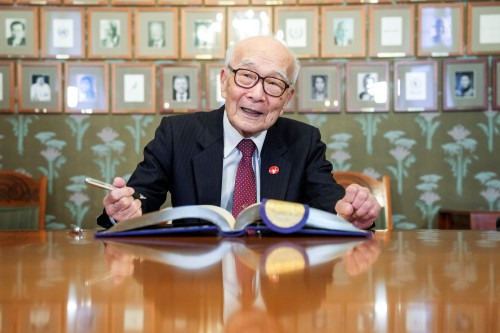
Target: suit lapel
207	164
274	185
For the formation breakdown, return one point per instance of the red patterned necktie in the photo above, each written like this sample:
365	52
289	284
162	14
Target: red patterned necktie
245	192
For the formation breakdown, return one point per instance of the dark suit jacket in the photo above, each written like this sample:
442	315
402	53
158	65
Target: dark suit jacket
185	159
10	41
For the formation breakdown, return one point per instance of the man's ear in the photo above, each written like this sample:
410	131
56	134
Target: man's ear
223	81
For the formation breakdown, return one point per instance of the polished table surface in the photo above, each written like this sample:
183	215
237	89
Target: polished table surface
399	281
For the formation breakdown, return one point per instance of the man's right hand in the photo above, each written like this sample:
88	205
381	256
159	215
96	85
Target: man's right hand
119	204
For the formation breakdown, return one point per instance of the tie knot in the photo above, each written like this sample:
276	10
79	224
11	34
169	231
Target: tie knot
246	146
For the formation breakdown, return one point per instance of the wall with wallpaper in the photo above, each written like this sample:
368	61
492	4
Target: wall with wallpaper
435	159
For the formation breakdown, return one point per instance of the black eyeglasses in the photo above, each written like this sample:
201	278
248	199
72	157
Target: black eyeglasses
246	78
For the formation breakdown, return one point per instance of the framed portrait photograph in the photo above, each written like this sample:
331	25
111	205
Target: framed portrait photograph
86	87
180	86
63	33
156	33
109	33
19	32
39	87
465	84
7	86
133	2
483	35
203	33
85	2
415	86
180	2
245	22
344	33
319	88
214	98
227	2
133	88
496	83
367	84
392	31
440	32
319	2
298	28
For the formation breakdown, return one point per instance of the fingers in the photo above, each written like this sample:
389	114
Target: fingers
358	206
119	203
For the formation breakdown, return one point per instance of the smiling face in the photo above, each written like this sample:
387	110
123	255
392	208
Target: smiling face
252	110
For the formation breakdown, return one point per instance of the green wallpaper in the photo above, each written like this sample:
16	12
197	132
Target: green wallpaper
434	160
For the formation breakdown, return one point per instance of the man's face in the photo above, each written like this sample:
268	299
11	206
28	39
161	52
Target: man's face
252	110
18	31
156	31
180	84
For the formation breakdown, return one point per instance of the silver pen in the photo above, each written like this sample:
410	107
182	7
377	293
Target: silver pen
106	186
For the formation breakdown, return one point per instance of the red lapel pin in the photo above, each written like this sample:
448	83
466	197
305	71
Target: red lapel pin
274	170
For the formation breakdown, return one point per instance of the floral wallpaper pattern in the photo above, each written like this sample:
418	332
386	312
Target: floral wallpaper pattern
434	160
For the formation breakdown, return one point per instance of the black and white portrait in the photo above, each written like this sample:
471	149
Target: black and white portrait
464	84
86	88
156	34
204	34
319	87
366	86
343	31
15	31
180	88
109	33
40	88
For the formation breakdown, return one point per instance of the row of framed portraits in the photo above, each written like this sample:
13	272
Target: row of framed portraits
323	87
204	31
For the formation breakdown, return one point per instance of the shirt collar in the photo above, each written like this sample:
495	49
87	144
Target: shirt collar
232	137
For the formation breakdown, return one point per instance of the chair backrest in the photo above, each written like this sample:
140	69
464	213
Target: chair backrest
485	220
22	201
381	189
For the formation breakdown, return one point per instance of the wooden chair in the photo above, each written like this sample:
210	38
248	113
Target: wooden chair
484	220
22	201
381	189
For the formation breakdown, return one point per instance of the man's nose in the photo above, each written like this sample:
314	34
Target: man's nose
257	92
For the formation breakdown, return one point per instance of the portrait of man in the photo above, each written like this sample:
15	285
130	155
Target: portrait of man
16	32
180	87
40	88
156	34
343	31
319	90
464	84
366	86
204	37
110	33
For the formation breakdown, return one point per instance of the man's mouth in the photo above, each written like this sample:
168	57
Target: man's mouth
251	112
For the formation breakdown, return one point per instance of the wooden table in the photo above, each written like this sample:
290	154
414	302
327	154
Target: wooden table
400	281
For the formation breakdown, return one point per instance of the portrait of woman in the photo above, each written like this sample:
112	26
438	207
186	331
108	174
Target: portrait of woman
366	82
464	83
86	88
319	90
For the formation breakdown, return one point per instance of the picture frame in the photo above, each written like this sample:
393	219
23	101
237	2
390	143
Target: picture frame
214	99
133	88
440	30
465	84
344	33
245	22
180	2
109	33
63	36
496	84
85	2
7	86
297	27
370	81
184	78
392	31
319	88
132	2
39	87
20	21
319	2
39	2
160	26
203	33
368	1
227	2
415	86
6	2
483	27
86	87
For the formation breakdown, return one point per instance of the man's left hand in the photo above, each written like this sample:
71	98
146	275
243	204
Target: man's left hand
358	206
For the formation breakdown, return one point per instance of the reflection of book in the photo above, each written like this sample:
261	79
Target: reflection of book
269	216
270	257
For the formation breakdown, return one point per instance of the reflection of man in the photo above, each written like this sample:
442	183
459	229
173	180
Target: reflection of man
180	85
40	89
156	37
319	90
464	84
367	92
111	38
17	34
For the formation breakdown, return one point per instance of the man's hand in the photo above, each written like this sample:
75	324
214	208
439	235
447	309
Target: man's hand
358	206
119	204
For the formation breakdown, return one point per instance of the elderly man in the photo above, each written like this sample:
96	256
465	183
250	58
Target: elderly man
195	157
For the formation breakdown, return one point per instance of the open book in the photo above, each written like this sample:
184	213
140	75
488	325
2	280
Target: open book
268	216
